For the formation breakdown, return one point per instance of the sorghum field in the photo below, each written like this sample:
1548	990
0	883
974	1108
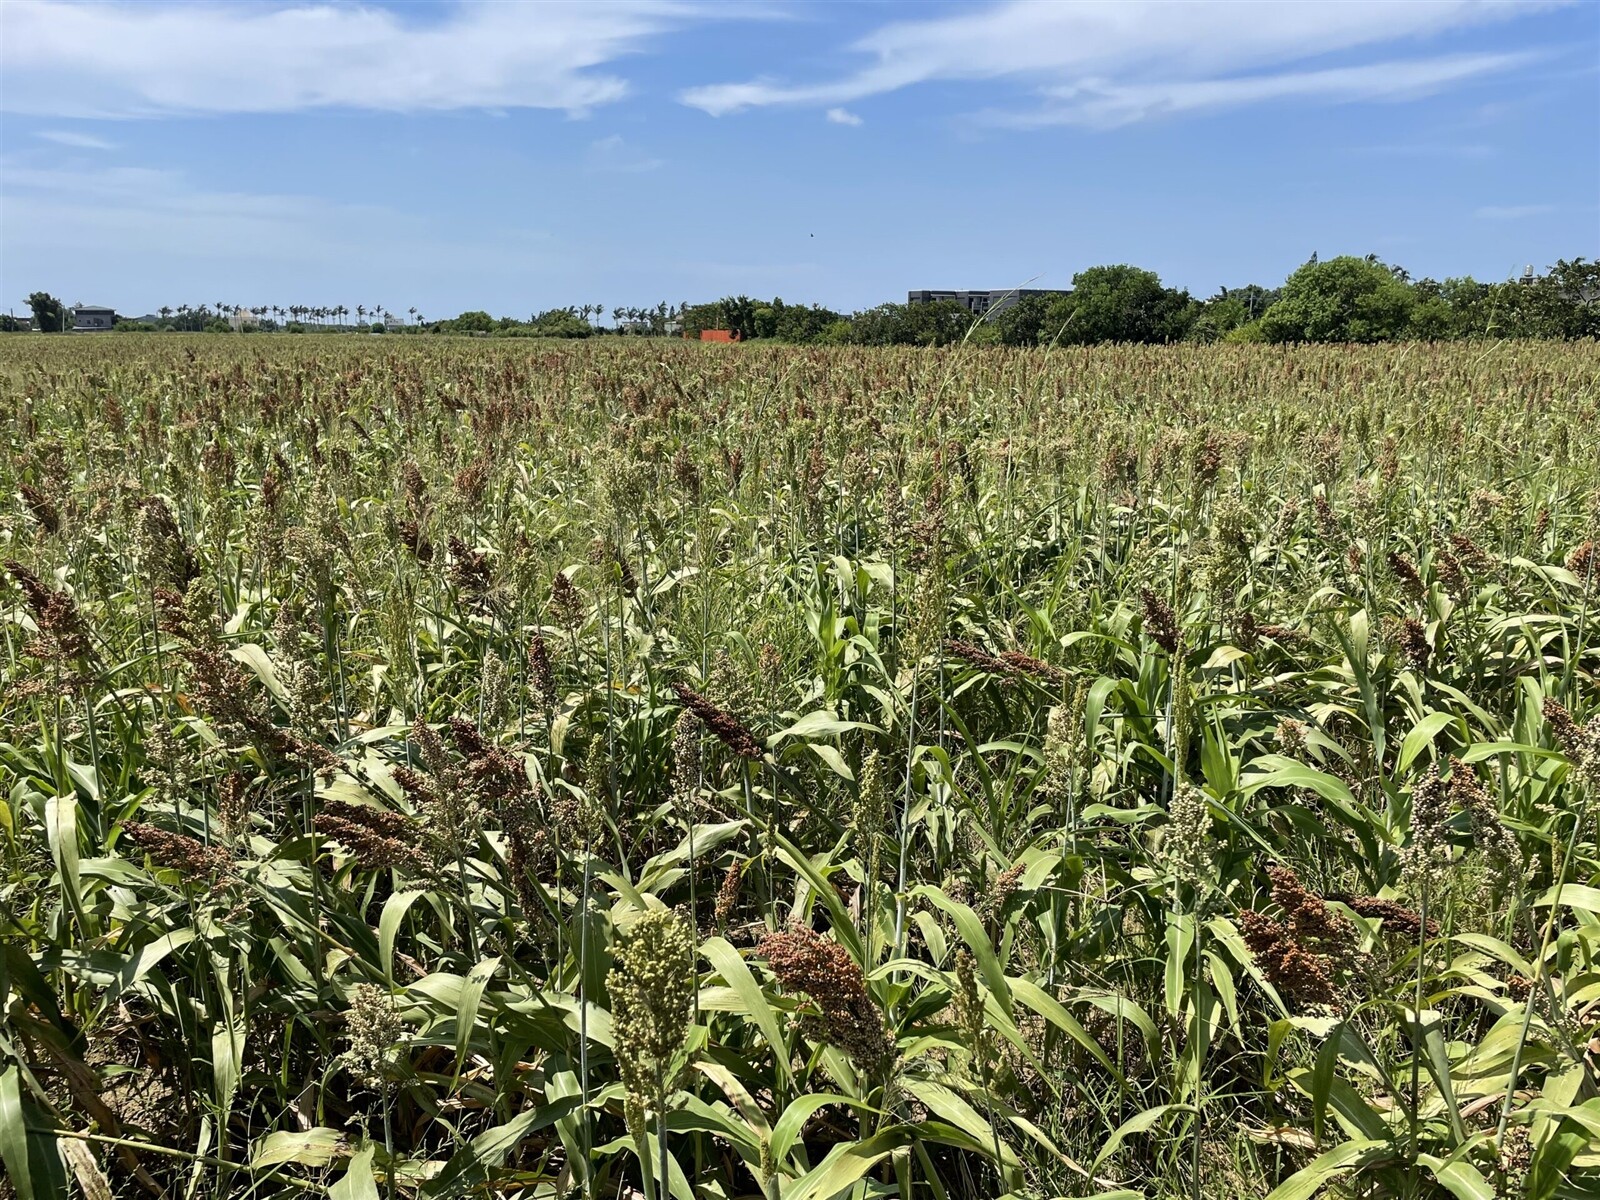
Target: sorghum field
441	768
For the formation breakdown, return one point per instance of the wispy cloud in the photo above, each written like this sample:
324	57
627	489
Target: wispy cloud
1107	62
614	153
121	58
1512	212
843	116
78	141
1104	105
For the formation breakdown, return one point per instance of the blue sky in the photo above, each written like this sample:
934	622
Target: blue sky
517	156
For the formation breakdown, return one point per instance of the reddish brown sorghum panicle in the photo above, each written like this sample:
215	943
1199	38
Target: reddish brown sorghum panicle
976	655
541	674
1488	831
472	480
233	804
1327	520
1002	889
1406	572
414	540
166	557
63	633
178	851
1448	568
415	488
1396	917
728	893
469	569
685	474
1160	622
1412	636
1303	954
1469	553
1541	524
724	725
42	507
1016	660
1581	561
1580	742
526	841
376	838
805	961
566	603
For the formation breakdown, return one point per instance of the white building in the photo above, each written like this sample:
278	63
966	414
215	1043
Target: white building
90	318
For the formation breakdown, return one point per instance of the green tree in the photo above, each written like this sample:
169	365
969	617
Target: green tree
1345	299
476	321
940	323
1126	304
49	314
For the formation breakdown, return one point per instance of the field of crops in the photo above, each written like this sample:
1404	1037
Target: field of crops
623	770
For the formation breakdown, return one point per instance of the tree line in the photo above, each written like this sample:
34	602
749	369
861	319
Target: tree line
1344	299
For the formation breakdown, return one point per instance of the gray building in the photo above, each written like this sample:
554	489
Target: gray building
90	318
980	302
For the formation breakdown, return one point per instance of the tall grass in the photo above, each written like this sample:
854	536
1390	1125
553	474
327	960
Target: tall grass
1128	772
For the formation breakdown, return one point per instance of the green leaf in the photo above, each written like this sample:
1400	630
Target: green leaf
61	830
1030	994
970	927
1460	1179
471	998
819	723
1322	1171
1548	1170
473	1164
786	1129
848	1162
254	657
1180	938
1437	1060
728	963
31	1156
357	1182
394	912
947	1104
316	1147
1421	736
1138	1123
1573	895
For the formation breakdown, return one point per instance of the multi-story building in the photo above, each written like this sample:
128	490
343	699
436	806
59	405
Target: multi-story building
91	318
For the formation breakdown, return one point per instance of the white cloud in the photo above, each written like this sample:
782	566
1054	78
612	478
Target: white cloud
843	116
1104	105
127	59
1141	57
78	141
1513	212
614	153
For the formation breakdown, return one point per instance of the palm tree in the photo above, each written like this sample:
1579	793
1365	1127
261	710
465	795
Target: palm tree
361	313
413	314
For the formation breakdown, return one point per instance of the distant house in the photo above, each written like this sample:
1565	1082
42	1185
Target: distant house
242	319
89	318
719	335
980	302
